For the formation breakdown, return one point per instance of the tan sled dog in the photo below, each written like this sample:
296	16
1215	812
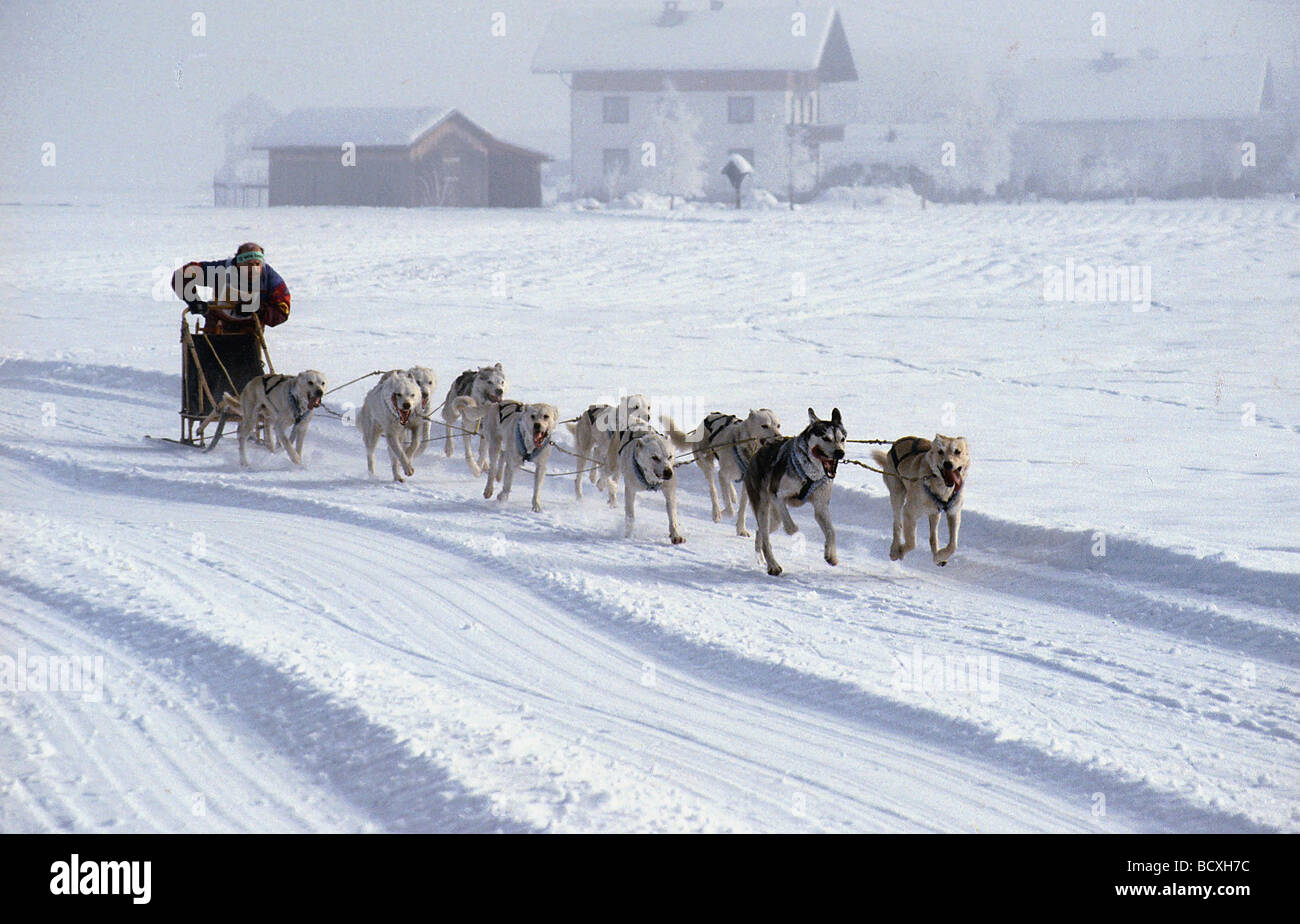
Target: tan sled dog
644	459
389	412
423	416
726	443
287	403
516	433
925	478
594	428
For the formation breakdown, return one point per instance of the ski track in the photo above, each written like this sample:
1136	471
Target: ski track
348	655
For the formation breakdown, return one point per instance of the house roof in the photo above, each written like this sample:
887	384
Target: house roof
391	126
1133	89
652	38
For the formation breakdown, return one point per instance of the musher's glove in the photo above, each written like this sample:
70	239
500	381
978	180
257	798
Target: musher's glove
197	307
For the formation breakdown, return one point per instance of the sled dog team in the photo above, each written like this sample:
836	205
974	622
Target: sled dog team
925	478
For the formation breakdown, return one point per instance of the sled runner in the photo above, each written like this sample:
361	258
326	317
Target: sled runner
216	363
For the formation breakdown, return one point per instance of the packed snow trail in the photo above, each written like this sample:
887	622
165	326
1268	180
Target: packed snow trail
314	650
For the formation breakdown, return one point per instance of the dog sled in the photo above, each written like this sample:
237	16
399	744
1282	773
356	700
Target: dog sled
216	363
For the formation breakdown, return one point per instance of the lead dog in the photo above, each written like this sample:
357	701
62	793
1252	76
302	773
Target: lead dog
485	385
925	477
287	403
593	430
423	417
516	433
727	443
389	411
795	470
644	458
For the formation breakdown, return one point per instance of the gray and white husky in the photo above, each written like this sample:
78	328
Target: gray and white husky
726	443
486	385
796	470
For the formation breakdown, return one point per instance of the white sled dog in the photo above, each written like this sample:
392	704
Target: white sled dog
516	433
423	417
925	478
593	431
286	401
389	411
486	385
724	443
794	470
644	459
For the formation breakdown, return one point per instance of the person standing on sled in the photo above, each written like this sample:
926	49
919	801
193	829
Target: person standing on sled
244	286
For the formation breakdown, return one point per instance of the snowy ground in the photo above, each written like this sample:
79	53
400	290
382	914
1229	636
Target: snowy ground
313	650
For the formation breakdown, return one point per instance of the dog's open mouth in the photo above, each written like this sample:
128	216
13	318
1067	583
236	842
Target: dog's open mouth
951	477
539	439
314	401
829	465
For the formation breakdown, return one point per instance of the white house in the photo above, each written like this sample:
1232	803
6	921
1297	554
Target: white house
751	77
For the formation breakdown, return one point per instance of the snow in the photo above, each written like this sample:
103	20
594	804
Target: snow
295	650
332	126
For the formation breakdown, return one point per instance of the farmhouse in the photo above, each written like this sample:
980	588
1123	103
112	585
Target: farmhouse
1142	126
395	157
751	77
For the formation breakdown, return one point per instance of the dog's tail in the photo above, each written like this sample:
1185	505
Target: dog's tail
573	428
467	407
680	439
882	459
216	437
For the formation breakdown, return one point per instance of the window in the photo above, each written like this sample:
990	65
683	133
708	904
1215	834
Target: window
747	153
616	109
740	108
616	162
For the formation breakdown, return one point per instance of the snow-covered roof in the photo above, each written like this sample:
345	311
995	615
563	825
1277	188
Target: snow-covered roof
1132	89
390	126
652	38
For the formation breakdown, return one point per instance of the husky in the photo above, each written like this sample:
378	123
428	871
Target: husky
593	430
423	418
644	458
287	403
925	477
794	470
486	385
389	411
516	433
727	443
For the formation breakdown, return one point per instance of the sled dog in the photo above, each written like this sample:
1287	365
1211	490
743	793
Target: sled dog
725	444
516	433
287	402
644	459
594	428
795	470
389	411
925	478
485	385
423	416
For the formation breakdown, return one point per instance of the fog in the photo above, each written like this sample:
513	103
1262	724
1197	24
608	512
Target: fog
130	97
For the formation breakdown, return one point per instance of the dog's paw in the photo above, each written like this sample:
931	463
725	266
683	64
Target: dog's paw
717	515
895	553
791	528
832	558
677	540
775	570
942	563
743	533
537	508
487	493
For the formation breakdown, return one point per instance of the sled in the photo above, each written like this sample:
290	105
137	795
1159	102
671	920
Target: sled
216	364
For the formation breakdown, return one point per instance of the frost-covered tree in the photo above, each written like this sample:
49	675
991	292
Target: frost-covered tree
677	165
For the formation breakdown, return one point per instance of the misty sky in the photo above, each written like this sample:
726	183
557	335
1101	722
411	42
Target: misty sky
132	99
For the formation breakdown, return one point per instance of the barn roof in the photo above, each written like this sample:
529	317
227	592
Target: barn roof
655	38
1112	89
383	126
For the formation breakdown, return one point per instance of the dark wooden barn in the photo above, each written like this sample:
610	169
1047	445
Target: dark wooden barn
396	157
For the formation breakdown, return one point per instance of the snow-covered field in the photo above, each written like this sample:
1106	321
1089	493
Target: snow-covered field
314	650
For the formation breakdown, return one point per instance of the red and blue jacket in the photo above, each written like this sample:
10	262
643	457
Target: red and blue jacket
273	297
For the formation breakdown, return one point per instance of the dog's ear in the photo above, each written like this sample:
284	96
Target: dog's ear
812	416
835	417
497	367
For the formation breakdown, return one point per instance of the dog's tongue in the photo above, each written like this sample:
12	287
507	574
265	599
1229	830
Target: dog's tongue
314	402
539	437
952	477
405	415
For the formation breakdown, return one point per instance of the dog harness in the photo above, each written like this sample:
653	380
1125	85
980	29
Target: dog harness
742	461
627	437
524	451
799	463
915	446
464	383
269	386
942	504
